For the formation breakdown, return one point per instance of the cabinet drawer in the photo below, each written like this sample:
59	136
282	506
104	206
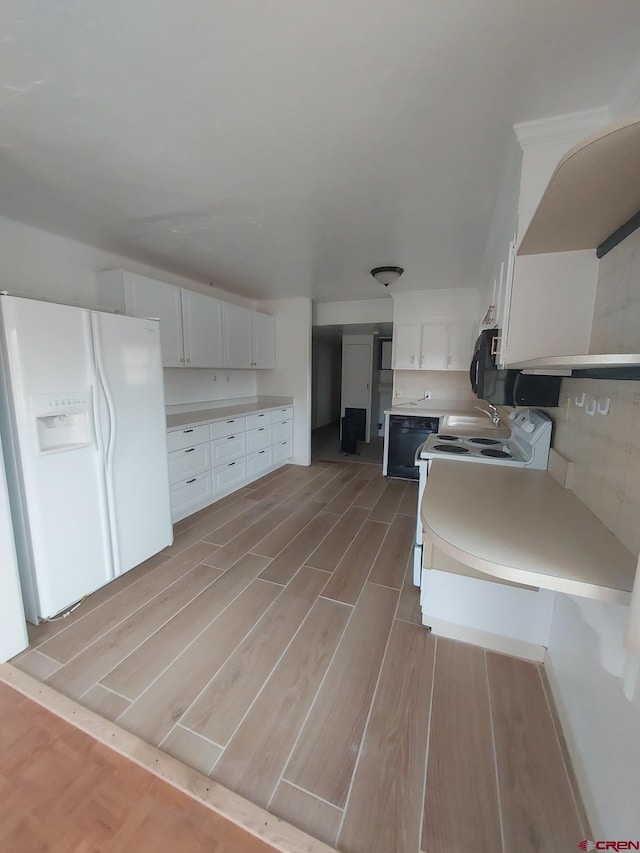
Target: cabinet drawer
228	448
282	430
191	460
228	427
259	420
282	451
259	438
190	495
284	414
180	438
259	461
229	476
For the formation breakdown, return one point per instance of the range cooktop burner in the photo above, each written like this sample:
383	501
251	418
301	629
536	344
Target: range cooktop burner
496	454
448	437
450	448
486	441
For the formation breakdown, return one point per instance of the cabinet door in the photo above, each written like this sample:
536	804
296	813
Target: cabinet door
237	335
202	317
263	332
406	346
460	342
146	297
434	347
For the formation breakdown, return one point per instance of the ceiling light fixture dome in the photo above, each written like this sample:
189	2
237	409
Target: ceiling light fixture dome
386	275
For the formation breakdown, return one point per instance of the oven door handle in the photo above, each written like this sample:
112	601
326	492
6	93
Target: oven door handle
416	458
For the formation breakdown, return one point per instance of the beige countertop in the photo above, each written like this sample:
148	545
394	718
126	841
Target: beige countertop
178	420
521	525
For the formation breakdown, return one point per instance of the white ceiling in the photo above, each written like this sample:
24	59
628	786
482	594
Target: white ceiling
286	148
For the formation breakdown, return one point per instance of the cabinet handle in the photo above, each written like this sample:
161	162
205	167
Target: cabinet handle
412	359
190	450
260	416
283	443
182	359
260	451
229	437
188	360
192	480
260	429
422	360
231	422
185	431
230	464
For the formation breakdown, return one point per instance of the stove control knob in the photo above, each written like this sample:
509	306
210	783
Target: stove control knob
528	427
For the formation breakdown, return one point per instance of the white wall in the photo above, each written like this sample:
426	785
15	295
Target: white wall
586	654
43	265
292	376
349	313
433	305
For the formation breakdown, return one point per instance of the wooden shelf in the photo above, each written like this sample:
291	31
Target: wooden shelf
593	191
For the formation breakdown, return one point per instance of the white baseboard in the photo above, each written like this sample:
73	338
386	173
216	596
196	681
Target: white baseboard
477	637
579	769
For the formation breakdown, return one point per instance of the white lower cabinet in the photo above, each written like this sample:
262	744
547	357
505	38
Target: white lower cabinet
212	460
190	495
259	461
230	476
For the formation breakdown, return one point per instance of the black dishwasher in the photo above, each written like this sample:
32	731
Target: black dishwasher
406	434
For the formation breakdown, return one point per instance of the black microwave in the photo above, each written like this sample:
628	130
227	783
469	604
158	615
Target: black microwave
506	387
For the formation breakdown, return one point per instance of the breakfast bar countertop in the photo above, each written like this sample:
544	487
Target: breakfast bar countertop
521	525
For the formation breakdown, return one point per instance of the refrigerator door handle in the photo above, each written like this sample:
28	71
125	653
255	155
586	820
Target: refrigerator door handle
109	445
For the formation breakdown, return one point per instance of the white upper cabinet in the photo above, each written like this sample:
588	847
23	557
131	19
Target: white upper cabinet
202	323
432	346
146	297
196	330
237	335
546	307
263	336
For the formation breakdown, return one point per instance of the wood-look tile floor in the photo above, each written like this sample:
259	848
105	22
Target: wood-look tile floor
277	647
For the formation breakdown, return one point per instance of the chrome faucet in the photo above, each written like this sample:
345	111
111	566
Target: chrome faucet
493	414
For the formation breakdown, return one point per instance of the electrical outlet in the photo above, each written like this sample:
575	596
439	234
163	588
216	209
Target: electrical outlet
427	395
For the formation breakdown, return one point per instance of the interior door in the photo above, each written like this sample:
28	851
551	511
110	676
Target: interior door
356	380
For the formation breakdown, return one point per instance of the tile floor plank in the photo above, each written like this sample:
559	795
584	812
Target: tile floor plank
332	489
390	564
216	713
258	751
93	662
324	757
136	672
36	664
331	551
320	819
461	805
347	495
93	624
281	536
283	567
190	748
352	571
538	812
409	503
208	524
385	804
232	529
245	541
163	704
370	495
387	504
104	702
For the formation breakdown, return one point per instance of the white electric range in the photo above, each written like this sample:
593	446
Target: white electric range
527	447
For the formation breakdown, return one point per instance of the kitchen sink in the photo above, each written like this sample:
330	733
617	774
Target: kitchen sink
467	422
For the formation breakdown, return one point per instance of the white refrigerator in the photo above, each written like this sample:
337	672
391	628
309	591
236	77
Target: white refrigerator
84	431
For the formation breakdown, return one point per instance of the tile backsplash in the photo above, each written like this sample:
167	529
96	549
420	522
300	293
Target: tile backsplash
443	385
606	448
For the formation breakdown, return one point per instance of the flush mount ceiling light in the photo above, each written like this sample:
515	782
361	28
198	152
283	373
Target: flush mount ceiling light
386	275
